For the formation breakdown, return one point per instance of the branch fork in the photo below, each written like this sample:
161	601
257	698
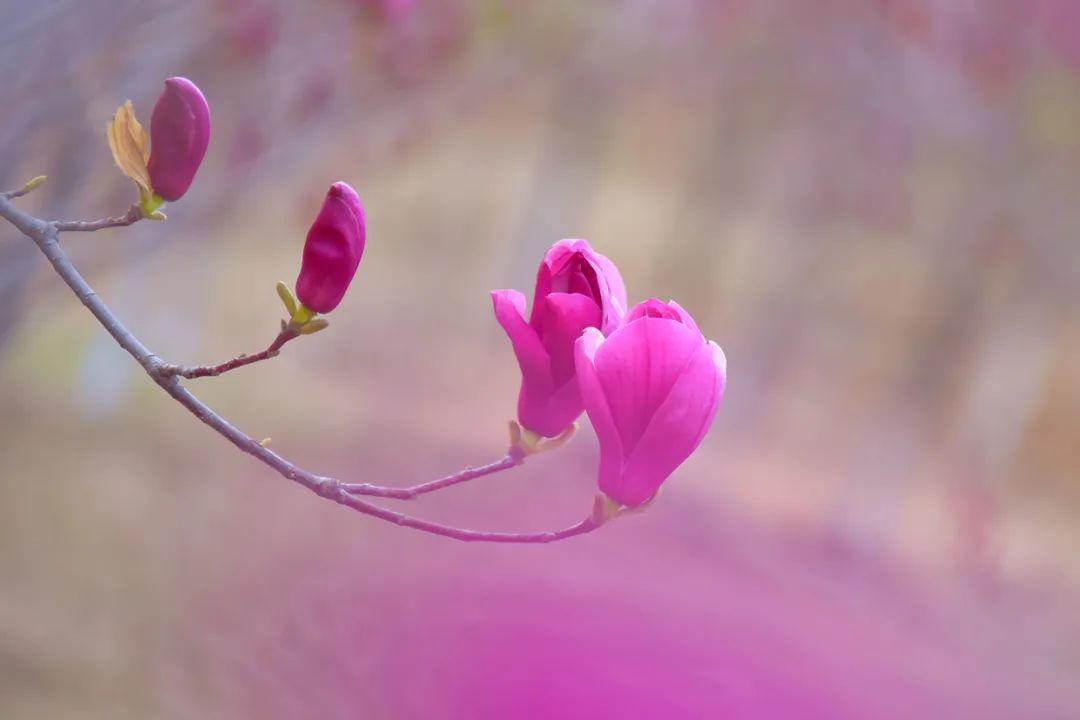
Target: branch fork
168	376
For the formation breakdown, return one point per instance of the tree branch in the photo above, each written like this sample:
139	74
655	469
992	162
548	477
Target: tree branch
46	236
132	216
408	493
199	371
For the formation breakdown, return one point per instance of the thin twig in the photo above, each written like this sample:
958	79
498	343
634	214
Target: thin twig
46	236
408	493
200	371
25	189
132	216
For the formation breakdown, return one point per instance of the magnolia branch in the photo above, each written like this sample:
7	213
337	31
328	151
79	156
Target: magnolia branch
167	376
132	216
199	371
408	493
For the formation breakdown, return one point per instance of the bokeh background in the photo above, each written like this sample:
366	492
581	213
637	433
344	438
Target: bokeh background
870	204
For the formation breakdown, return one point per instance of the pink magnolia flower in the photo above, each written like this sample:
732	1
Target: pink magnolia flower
651	390
576	288
179	136
332	252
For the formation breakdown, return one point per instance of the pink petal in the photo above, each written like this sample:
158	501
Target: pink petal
554	260
179	137
557	254
541	290
686	318
609	288
614	291
563	318
637	367
547	413
675	430
655	308
596	405
343	193
333	250
721	362
542	407
531	356
670	310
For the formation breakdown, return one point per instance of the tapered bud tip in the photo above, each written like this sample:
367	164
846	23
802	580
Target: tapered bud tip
179	136
181	84
187	91
343	188
343	191
34	184
332	252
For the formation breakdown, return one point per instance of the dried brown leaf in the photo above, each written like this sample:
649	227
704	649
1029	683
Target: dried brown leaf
130	146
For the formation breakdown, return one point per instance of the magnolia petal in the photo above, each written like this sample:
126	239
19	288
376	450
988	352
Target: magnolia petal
671	310
615	307
531	356
560	253
612	288
610	284
549	413
180	131
687	319
676	428
721	362
542	408
596	405
563	318
638	366
540	290
655	308
333	250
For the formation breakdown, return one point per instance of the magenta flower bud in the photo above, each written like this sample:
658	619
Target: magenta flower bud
576	288
332	252
651	390
179	135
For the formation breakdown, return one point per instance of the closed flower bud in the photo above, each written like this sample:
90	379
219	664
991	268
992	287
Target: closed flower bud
651	390
179	136
332	252
576	289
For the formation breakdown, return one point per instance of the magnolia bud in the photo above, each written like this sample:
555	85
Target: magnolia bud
332	252
179	135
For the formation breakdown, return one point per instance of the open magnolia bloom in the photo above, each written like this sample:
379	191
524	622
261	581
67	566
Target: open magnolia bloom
651	390
576	288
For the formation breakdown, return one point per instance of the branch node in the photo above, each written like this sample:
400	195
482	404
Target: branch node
517	454
328	487
158	368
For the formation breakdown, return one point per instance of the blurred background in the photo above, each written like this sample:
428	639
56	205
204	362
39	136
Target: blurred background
870	204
